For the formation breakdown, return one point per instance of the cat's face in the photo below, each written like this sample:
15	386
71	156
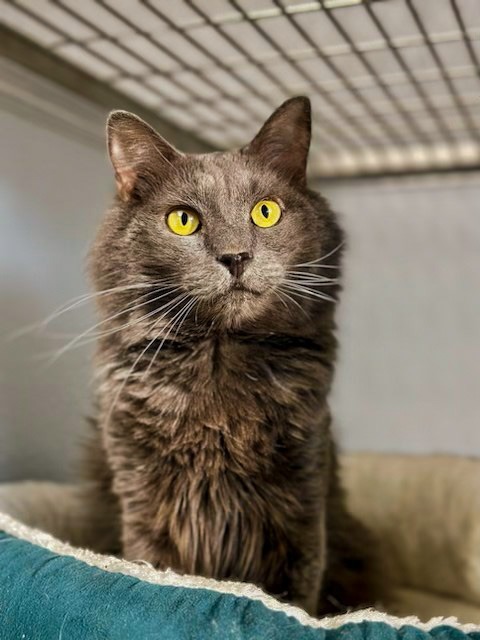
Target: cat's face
228	233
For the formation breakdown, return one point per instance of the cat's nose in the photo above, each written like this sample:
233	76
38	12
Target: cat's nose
235	262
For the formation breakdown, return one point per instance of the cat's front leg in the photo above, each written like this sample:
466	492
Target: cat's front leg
307	571
144	536
307	584
143	516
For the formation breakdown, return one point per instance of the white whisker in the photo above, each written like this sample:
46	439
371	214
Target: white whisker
82	299
327	255
139	357
313	283
128	325
313	276
317	266
186	309
78	338
305	292
276	292
293	300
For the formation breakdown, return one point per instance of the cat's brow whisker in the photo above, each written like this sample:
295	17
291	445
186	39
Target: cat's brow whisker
78	338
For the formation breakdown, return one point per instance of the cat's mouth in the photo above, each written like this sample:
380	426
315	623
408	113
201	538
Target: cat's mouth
239	287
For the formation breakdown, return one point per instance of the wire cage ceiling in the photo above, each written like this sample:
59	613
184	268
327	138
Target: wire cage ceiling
395	84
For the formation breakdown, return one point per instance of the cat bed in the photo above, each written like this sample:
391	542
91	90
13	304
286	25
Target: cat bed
427	514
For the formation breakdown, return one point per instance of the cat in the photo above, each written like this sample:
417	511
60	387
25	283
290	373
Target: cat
217	278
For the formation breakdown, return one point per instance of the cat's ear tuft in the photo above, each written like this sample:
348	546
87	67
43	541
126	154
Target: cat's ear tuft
284	140
139	155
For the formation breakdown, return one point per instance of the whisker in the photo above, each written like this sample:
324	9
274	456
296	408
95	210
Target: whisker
78	338
87	297
293	300
171	322
317	266
327	255
313	283
101	334
308	293
139	357
306	289
183	319
276	292
78	301
188	306
313	276
50	334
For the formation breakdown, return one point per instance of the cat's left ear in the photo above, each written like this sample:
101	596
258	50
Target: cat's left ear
284	140
139	155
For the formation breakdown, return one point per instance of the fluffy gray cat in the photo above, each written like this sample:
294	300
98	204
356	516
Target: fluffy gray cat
213	453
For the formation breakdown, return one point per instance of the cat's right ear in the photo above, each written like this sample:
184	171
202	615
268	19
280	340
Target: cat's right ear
137	153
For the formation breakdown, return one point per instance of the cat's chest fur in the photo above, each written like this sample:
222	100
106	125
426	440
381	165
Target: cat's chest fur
217	437
220	405
223	404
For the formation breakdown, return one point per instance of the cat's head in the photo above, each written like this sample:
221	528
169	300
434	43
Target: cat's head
232	238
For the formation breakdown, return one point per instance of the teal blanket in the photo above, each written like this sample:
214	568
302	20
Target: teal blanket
47	595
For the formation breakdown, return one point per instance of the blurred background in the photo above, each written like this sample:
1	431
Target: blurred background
395	88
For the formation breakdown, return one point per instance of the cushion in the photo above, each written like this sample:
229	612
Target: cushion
425	511
51	590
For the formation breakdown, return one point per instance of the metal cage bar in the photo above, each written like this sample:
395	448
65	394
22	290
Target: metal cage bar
430	108
466	39
463	110
68	39
263	68
383	115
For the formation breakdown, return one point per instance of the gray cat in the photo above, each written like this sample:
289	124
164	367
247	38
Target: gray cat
213	453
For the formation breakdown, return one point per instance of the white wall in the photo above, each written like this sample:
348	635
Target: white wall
52	192
409	323
409	371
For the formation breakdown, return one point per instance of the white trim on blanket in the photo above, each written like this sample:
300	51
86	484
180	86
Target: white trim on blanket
143	571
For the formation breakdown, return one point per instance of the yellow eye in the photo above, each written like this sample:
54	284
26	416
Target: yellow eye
266	213
183	222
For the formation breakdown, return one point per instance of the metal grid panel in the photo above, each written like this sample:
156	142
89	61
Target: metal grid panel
395	84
